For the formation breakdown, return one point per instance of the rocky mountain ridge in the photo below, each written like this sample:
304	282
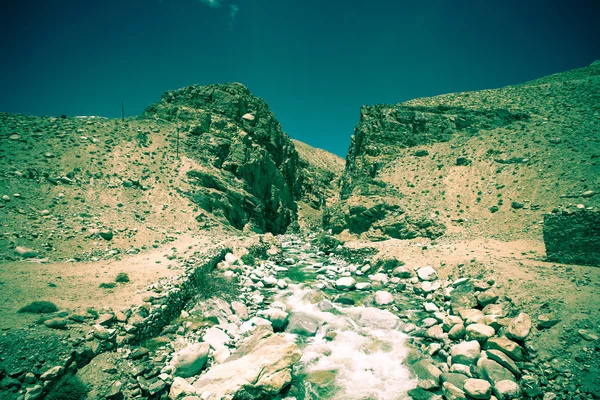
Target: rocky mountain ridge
487	162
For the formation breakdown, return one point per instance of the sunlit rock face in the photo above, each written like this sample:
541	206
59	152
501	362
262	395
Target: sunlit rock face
251	177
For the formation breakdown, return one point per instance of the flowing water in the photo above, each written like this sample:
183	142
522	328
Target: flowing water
357	351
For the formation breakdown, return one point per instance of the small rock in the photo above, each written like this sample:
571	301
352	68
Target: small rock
436	333
587	335
56	323
105	319
180	387
216	338
503	360
115	389
25	252
106	234
138	353
451	392
281	284
547	321
34	392
53	373
488	297
457	332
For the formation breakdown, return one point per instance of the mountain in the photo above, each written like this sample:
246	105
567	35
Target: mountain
202	159
483	163
321	172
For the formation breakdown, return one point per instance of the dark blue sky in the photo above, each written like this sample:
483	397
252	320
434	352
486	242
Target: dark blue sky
314	61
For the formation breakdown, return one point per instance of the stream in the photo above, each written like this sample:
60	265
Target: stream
350	348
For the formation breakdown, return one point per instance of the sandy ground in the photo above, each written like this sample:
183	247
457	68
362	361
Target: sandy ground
77	283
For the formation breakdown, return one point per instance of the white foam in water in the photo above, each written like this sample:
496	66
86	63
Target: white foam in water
367	353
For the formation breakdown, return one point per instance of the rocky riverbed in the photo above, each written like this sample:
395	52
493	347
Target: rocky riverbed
307	325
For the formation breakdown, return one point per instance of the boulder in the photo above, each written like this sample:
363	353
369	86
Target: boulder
278	318
503	360
25	252
479	332
478	388
216	338
345	283
383	298
507	390
261	367
466	352
240	309
304	324
190	360
179	388
427	273
507	346
494	372
519	327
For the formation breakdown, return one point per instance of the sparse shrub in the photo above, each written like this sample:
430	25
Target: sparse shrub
248	259
326	242
92	311
212	284
388	264
122	277
39	307
69	387
107	285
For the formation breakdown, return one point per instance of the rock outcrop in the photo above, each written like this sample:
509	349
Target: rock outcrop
251	178
573	237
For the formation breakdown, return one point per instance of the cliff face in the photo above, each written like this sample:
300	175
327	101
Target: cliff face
487	162
321	173
251	176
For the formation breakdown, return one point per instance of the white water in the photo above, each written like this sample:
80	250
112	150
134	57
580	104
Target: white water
366	354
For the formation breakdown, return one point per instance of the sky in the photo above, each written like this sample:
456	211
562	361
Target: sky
315	62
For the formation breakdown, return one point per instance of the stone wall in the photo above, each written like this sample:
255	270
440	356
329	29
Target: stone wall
573	237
